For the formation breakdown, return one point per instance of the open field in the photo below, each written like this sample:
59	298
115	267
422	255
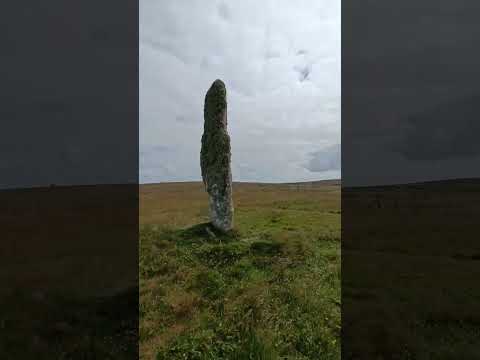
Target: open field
411	270
410	265
268	290
69	272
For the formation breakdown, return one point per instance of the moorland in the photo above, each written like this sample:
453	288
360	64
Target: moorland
269	289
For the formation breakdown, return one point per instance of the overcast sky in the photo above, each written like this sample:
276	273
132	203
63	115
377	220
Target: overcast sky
410	94
280	61
68	95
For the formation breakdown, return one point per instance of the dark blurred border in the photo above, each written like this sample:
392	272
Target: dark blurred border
69	180
411	180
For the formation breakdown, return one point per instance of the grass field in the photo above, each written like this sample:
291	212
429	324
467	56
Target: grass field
410	262
268	290
69	272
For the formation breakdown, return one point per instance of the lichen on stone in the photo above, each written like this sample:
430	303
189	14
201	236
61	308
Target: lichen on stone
215	157
215	153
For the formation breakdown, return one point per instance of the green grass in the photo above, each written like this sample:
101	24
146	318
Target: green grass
48	327
69	280
412	286
268	290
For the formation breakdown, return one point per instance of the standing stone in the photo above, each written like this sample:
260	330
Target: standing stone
215	157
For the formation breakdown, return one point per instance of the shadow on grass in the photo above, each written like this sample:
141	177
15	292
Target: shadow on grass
44	326
207	232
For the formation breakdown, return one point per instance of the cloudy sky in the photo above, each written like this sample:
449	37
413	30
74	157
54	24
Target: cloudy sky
280	61
410	95
68	93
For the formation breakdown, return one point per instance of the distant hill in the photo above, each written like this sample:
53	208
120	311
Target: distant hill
330	182
422	184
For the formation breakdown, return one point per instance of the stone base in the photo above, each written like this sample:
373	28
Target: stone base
221	209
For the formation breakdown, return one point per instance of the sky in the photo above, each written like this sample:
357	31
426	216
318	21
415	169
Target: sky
69	93
410	98
280	61
409	87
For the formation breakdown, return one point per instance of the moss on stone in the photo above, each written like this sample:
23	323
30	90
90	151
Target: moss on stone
215	104
215	153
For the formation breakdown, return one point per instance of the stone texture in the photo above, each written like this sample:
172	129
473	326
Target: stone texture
215	157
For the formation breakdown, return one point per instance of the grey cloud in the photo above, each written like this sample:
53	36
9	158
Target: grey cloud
224	11
326	159
169	48
211	61
150	152
154	163
184	119
449	130
264	54
270	54
303	72
160	148
395	126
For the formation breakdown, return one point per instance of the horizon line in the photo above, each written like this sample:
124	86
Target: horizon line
50	186
240	181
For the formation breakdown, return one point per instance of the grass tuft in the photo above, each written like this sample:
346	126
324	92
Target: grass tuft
268	290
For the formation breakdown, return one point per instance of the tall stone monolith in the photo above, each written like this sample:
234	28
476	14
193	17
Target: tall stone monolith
215	157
